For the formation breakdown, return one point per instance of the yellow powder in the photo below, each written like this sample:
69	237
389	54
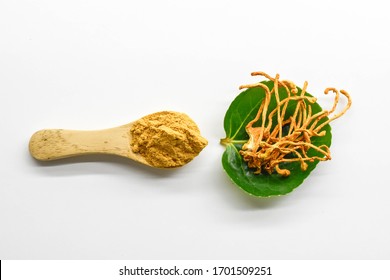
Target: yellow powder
167	139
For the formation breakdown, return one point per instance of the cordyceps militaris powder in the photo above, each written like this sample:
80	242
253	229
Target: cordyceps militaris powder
167	139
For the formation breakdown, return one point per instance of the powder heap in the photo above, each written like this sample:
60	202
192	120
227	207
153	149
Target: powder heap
167	139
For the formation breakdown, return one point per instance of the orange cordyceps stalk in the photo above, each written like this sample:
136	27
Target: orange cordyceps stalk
269	146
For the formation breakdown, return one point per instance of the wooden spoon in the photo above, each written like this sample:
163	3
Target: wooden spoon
52	144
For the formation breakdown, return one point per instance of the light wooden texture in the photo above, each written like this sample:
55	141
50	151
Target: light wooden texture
52	144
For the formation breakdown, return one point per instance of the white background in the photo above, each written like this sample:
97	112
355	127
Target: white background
98	64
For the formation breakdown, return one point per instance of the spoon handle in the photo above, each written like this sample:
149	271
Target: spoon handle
52	144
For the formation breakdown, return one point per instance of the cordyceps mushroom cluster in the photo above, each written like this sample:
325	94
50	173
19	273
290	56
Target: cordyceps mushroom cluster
289	140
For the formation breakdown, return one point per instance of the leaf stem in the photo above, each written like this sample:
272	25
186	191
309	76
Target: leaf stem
228	141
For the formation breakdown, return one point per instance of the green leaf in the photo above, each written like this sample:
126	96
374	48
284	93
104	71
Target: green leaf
241	111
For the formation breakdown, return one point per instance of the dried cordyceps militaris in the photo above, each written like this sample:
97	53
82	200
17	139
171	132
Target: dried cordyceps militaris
290	139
